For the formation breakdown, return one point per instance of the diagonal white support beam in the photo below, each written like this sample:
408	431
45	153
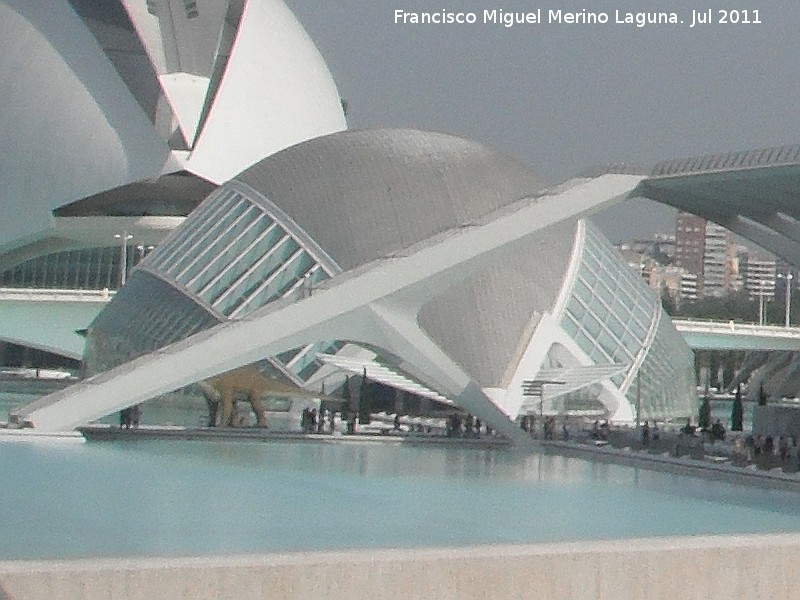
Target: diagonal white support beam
339	309
427	362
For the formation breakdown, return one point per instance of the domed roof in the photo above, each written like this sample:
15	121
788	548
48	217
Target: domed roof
99	95
365	194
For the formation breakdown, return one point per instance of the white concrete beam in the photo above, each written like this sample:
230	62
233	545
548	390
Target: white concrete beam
338	309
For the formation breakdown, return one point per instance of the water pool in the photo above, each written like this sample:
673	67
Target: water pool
160	498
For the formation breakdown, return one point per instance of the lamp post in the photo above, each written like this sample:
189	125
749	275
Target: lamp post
761	302
788	277
123	237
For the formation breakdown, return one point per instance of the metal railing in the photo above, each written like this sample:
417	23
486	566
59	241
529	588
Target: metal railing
55	295
732	327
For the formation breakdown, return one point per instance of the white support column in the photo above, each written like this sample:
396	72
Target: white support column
426	361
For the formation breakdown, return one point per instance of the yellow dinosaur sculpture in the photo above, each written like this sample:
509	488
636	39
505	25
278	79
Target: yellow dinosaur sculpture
221	391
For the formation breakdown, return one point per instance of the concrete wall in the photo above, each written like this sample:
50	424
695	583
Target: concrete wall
730	567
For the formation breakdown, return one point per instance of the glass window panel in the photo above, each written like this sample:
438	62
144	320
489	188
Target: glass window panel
570	326
188	233
271	288
576	309
637	330
622	356
260	275
631	343
591	325
600	310
607	343
584	343
604	293
615	326
208	239
242	231
259	230
258	261
583	291
591	262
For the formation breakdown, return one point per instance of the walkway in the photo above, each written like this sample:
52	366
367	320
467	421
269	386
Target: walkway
694	458
729	335
49	319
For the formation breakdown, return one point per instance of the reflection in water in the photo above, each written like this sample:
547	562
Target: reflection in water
179	498
144	498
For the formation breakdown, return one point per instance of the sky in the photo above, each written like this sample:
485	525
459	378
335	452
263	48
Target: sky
564	98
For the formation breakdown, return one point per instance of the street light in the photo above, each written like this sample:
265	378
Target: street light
761	285
788	277
123	237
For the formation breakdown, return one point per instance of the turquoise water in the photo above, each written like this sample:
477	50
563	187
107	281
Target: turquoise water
156	498
197	498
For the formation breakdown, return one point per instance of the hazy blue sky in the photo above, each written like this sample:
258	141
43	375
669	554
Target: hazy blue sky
564	98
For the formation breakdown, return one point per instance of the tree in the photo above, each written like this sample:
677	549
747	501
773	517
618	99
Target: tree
346	398
705	413
762	395
737	412
364	408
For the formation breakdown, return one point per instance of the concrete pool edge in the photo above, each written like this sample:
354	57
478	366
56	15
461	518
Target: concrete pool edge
736	566
773	479
722	471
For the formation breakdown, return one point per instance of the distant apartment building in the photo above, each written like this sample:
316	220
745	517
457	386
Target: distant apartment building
718	261
651	260
689	289
661	247
759	274
705	250
690	236
638	260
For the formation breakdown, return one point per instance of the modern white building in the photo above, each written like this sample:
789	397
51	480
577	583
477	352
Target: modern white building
121	116
124	114
426	259
449	286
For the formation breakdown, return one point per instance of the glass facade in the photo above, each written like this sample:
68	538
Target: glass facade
233	255
85	269
615	318
666	376
146	314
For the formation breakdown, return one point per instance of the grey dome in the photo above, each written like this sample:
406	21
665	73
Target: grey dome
355	196
365	194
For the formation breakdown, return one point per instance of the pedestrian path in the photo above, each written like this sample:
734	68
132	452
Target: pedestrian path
710	466
159	432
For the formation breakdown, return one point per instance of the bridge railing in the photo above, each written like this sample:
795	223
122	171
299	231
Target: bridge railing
733	327
55	295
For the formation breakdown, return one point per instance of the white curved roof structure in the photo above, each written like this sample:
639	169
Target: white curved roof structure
100	95
447	261
754	193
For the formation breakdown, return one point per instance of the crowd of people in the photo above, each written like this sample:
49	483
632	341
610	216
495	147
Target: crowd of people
771	452
313	421
467	426
325	421
650	433
549	423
